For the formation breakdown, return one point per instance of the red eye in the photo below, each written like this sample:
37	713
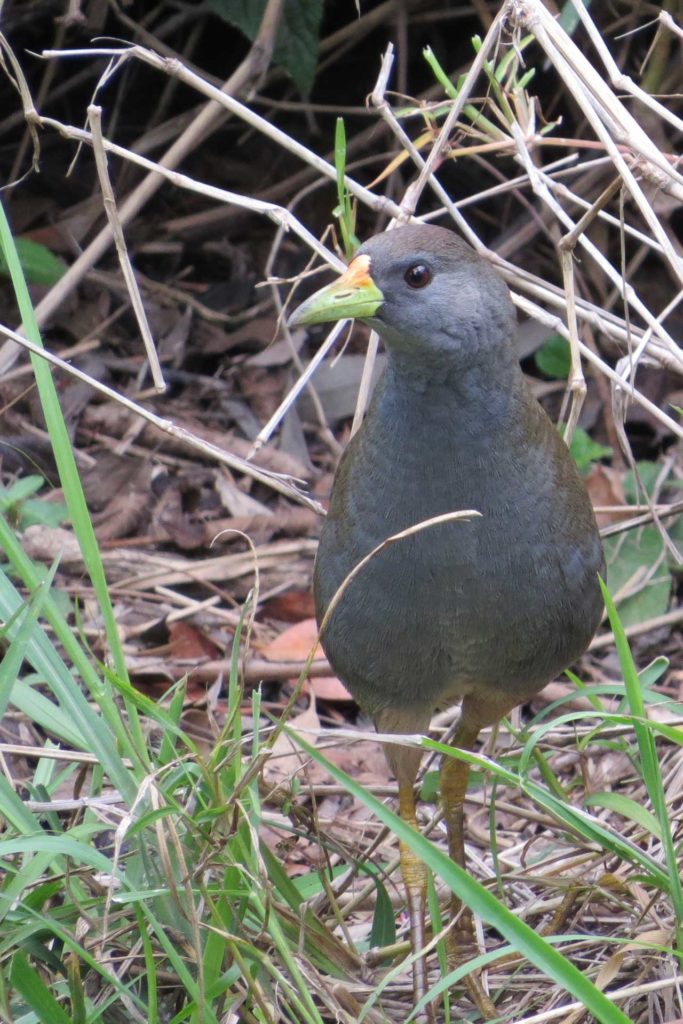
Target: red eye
418	275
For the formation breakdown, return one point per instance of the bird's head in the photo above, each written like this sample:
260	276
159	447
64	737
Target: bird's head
426	292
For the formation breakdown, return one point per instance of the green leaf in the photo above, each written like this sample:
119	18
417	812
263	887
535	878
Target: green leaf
29	983
429	791
39	264
46	713
82	852
20	490
525	80
96	730
627	808
14	812
639	554
553	358
652	673
439	73
344	211
43	513
383	931
469	110
569	19
298	38
18	505
585	450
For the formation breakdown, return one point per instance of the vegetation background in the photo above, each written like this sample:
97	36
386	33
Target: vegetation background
170	849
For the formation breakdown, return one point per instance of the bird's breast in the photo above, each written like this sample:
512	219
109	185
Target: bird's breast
508	598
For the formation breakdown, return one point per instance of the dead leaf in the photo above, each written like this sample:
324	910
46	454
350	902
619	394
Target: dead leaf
118	489
605	487
288	758
327	688
293	606
172	343
190	643
365	761
169	520
234	499
279	353
214	340
46	543
294	643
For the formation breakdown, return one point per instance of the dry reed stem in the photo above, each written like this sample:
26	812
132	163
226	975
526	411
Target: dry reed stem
616	128
95	121
644	172
277	481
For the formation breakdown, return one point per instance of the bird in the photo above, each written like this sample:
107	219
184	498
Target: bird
484	610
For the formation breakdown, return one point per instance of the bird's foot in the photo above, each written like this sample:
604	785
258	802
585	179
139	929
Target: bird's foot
461	947
479	996
415	881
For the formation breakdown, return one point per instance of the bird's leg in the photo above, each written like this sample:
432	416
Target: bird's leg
461	939
414	874
454	779
477	711
405	762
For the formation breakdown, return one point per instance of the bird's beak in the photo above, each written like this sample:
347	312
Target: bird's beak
354	294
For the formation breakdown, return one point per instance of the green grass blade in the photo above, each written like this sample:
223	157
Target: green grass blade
627	808
97	734
25	622
573	818
64	458
29	983
536	950
652	776
104	731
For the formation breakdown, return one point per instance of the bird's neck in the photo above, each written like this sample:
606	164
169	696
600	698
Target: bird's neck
476	391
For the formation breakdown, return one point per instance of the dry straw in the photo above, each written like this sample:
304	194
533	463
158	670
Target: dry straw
628	188
646	178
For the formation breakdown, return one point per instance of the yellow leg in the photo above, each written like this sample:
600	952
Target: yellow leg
487	708
454	779
414	874
461	941
404	762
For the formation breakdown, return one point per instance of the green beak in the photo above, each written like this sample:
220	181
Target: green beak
354	294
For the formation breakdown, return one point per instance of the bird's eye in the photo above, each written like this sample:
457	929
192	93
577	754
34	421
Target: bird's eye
418	276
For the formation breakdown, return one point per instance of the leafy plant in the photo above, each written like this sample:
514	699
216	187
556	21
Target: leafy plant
553	358
586	451
21	509
649	764
296	49
344	211
639	563
39	264
488	125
